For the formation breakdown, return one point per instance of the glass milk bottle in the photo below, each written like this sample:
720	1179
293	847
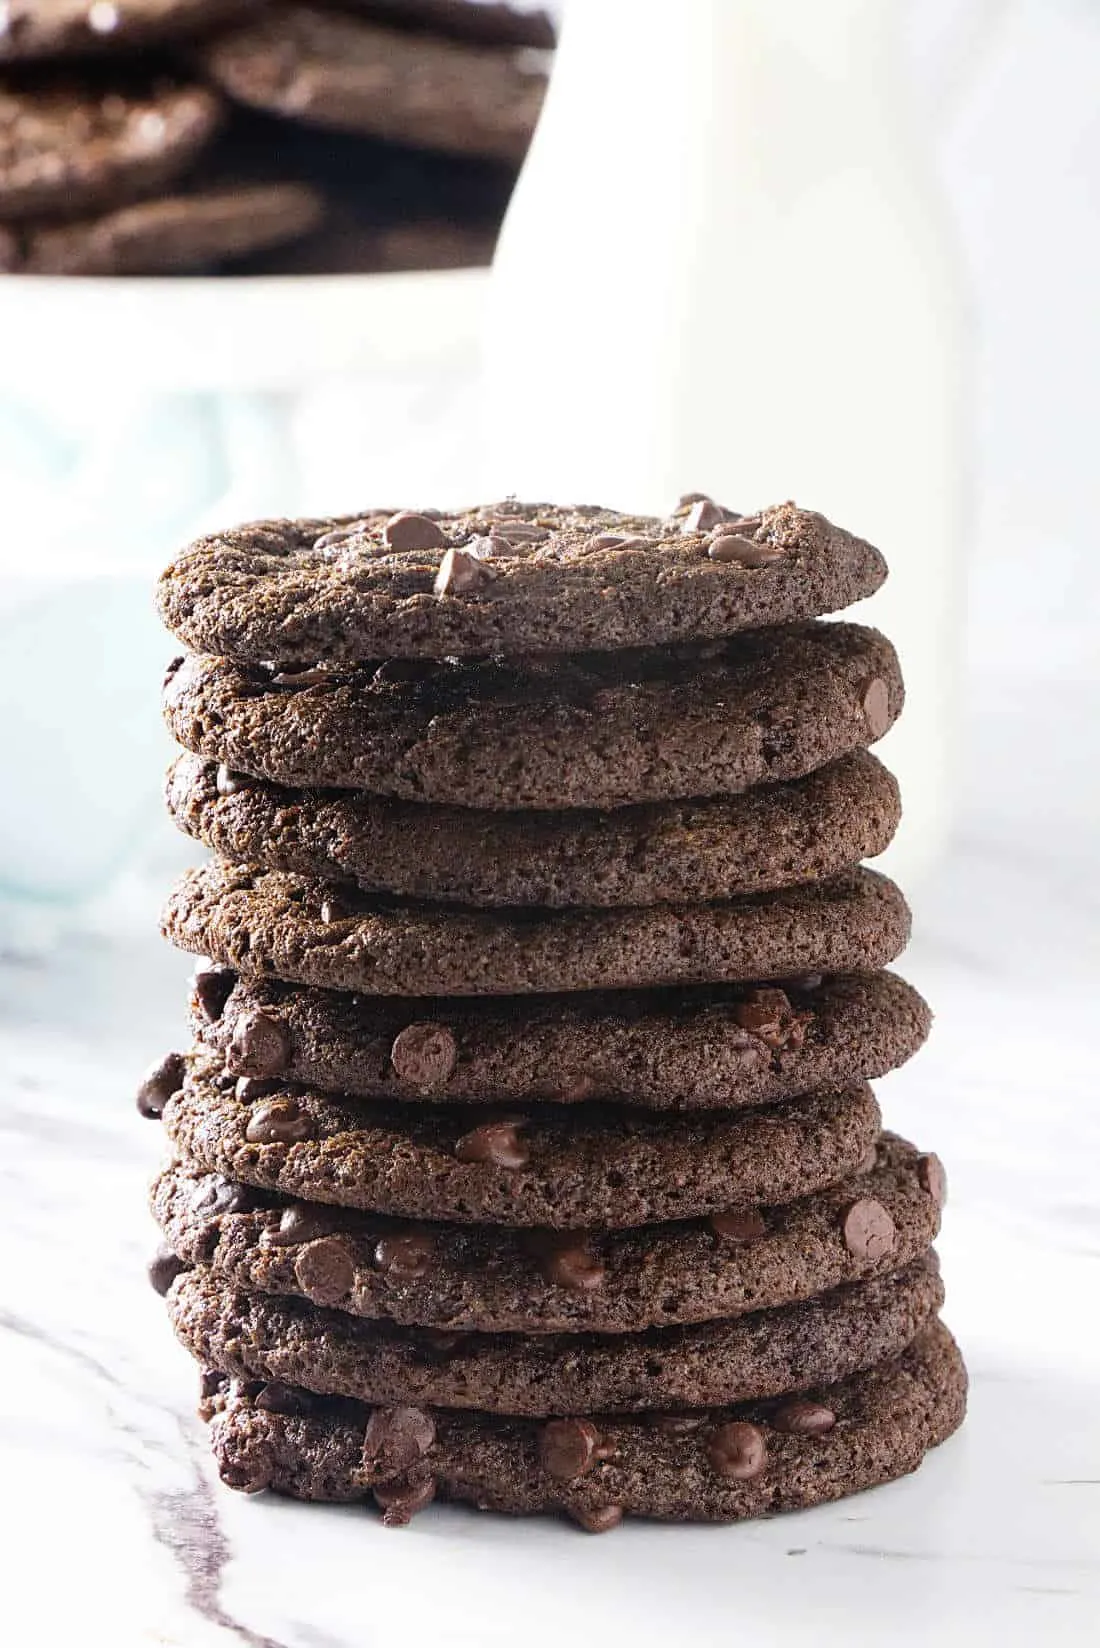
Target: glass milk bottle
726	268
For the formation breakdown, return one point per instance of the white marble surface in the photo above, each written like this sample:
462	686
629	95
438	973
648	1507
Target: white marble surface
115	1528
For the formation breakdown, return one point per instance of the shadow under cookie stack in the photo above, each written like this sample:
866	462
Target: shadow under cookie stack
525	1155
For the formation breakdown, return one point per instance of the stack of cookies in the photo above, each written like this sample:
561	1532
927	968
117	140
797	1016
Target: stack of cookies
159	136
525	1154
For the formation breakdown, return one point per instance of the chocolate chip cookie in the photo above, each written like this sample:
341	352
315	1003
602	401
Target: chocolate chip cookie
458	1278
194	231
354	74
73	147
598	730
508	578
253	1336
718	1465
711	1048
564	1168
778	836
312	932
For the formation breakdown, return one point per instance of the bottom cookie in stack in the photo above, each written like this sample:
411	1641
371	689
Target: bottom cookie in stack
753	1360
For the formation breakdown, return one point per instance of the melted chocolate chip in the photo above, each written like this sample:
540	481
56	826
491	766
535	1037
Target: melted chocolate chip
800	1417
875	703
568	1447
424	1056
703	514
738	1451
572	1264
211	986
409	531
161	1081
260	1045
400	1501
868	1230
405	1257
744	552
300	1223
216	1194
395	1440
497	1144
275	1397
600	1519
163	1268
278	1121
325	1270
932	1177
229	782
738	1225
461	573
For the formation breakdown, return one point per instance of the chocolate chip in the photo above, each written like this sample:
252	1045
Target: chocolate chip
932	1177
396	1439
737	1450
875	702
768	1015
687	499
163	1268
572	1265
161	1081
278	1121
275	1397
868	1230
211	986
260	1045
496	1143
744	552
341	534
400	1501
738	1226
174	665
249	1473
802	1418
213	1383
325	1270
676	1424
703	514
567	1448
405	1257
229	782
300	1223
408	531
600	1519
251	1088
620	540
519	532
310	675
424	1055
461	573
216	1194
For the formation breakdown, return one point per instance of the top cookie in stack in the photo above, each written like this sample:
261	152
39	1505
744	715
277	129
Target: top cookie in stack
543	990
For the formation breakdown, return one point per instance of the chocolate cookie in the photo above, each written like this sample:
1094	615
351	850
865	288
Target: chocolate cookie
175	233
253	1336
463	1277
354	74
778	836
507	578
718	1465
713	1048
79	146
601	730
562	1168
311	932
45	29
